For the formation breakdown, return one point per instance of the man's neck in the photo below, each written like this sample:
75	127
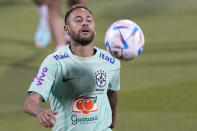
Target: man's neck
82	51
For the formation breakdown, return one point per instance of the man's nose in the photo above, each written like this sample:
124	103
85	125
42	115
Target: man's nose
85	23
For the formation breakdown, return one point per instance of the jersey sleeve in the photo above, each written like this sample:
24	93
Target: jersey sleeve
114	83
44	79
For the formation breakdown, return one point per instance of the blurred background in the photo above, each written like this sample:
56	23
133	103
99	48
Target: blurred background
158	89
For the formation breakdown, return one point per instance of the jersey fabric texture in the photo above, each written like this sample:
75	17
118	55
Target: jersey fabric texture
77	88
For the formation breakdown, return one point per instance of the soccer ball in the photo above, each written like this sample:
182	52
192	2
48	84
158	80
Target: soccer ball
124	40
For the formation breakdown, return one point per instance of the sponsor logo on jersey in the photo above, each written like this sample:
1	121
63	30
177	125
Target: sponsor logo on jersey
60	57
40	76
104	57
100	78
85	104
83	120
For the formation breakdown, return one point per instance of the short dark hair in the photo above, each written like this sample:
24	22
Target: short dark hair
73	8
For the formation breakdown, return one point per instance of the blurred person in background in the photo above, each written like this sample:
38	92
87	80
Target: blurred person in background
80	80
51	22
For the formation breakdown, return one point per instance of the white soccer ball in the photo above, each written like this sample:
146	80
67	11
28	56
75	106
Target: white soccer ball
124	40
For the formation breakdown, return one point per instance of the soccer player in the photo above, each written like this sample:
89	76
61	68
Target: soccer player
52	22
80	80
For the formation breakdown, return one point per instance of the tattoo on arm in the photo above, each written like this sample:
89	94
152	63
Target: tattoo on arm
113	98
31	105
31	94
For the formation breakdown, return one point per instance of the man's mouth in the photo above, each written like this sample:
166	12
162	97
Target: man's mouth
85	31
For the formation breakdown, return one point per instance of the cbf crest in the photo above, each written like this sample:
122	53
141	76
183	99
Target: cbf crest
100	78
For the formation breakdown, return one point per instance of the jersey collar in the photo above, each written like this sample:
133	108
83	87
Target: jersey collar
82	58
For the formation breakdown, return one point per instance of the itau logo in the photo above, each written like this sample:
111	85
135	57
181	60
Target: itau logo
85	104
100	78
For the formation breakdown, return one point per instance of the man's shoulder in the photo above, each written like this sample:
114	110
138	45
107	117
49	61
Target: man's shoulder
108	58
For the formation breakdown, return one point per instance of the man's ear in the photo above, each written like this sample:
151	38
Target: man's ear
66	29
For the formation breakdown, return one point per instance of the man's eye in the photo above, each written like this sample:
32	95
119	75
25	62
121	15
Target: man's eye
78	20
89	21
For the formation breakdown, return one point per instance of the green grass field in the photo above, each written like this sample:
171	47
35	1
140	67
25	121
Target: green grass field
158	89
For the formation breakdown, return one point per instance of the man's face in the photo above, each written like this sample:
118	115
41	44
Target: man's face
81	26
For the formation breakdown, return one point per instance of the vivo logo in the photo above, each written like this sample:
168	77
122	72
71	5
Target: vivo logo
40	76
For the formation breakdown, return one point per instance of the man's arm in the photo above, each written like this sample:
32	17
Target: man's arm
113	98
44	116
